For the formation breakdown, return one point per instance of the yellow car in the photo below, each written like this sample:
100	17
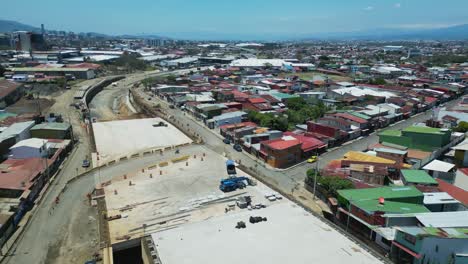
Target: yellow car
312	159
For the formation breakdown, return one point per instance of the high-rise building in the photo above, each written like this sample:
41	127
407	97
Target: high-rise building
29	41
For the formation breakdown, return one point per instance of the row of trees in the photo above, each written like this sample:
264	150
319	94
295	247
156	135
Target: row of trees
330	184
299	111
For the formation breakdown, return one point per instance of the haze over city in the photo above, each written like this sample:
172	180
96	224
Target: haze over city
261	19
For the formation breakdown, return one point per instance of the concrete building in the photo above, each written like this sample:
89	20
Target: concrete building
78	73
29	148
28	41
281	153
226	119
417	137
52	130
10	92
420	245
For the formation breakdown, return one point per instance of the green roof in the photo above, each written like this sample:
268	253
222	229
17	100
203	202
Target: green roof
390	133
418	176
52	126
425	130
390	207
360	115
376	193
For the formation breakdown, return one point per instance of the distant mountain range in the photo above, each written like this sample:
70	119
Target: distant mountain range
459	32
11	26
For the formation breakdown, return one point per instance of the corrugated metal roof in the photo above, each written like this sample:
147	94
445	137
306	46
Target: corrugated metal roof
15	129
393	151
422	129
51	126
389	206
386	192
359	156
439	198
437	165
418	176
443	219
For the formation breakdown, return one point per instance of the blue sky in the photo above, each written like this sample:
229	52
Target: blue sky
235	17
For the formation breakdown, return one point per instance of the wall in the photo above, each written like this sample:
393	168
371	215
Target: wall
51	133
440	250
25	152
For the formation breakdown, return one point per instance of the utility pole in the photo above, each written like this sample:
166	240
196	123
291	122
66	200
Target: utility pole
349	213
316	172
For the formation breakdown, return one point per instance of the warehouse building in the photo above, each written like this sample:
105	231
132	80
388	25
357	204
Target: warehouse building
417	137
78	73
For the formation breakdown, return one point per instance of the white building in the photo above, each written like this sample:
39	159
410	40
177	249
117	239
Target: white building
258	63
29	148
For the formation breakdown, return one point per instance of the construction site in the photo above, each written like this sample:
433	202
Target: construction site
135	136
196	207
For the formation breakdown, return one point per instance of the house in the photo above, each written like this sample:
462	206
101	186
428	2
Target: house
417	177
417	137
51	130
29	148
375	165
442	202
441	169
454	191
282	152
226	118
208	111
333	135
461	154
13	134
364	210
420	245
310	145
356	121
10	92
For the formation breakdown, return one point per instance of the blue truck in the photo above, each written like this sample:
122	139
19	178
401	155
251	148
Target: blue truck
234	183
231	167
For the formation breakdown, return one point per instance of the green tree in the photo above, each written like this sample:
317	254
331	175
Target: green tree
331	184
2	70
171	78
296	103
378	81
61	82
462	127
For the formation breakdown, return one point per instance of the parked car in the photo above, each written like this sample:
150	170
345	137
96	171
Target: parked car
85	163
226	141
237	147
312	159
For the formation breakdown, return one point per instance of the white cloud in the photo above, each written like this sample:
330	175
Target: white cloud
397	5
369	8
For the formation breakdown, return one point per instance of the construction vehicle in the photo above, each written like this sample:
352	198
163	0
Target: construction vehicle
234	183
231	167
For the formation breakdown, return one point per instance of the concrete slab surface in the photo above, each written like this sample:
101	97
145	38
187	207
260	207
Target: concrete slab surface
126	137
290	235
